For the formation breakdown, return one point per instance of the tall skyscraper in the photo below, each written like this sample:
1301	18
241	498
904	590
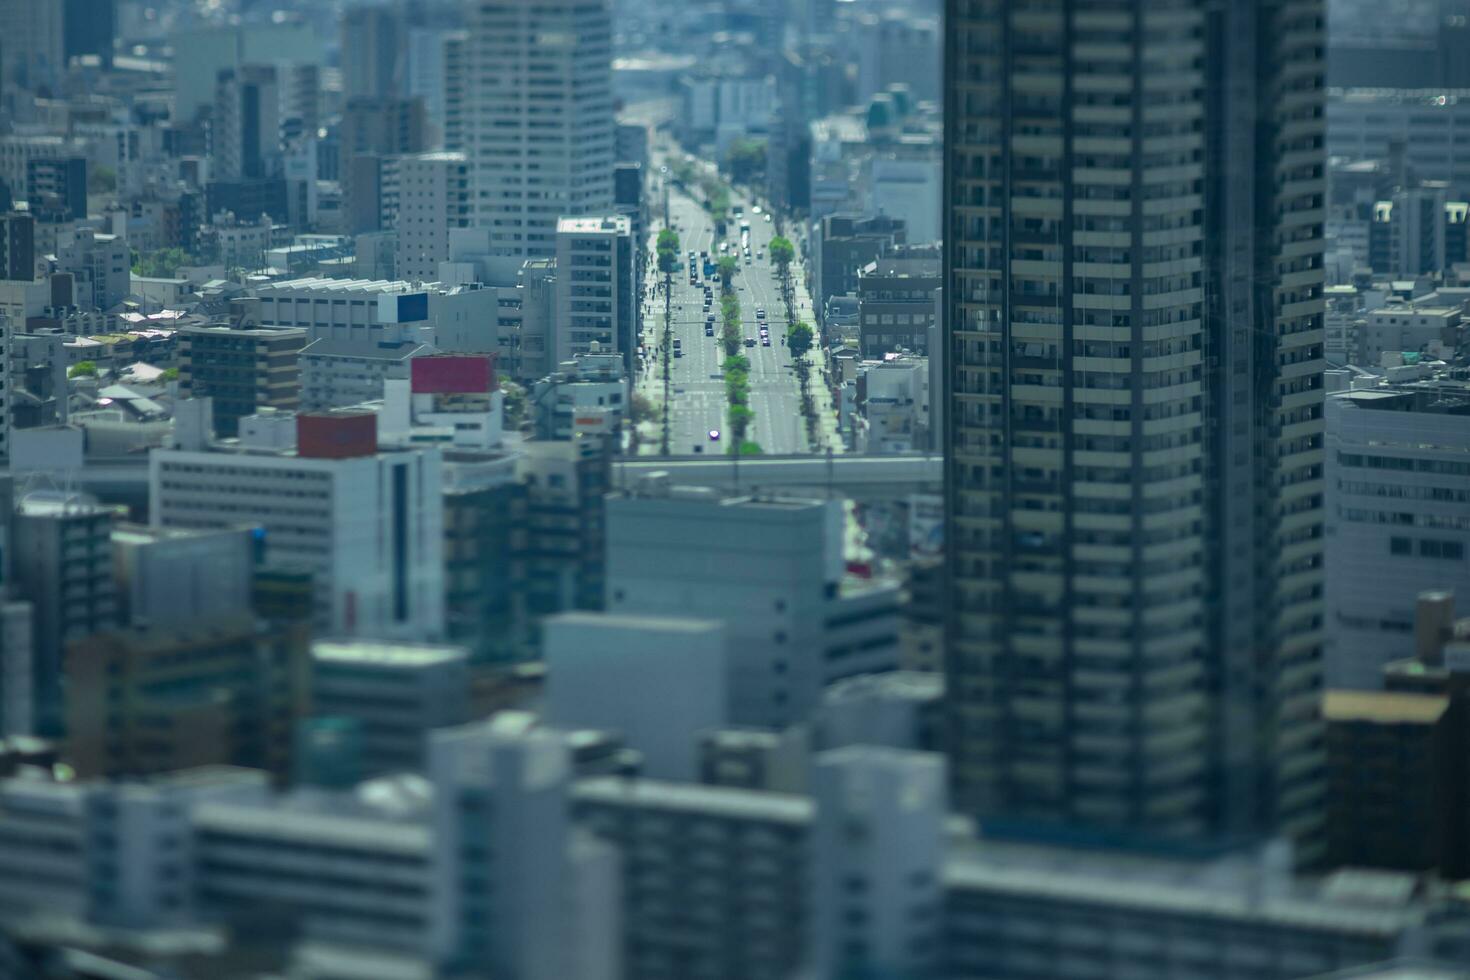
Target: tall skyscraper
373	49
1134	198
538	118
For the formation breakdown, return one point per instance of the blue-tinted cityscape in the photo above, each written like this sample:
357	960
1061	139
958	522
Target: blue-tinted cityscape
734	489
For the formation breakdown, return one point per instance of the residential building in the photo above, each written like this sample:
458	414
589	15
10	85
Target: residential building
1417	231
433	197
596	288
893	396
485	519
844	244
772	571
99	266
1398	515
896	303
658	681
32	46
167	576
1134	433
564	557
367	524
897	48
393	694
224	689
241	371
56	188
17	247
61	563
542	90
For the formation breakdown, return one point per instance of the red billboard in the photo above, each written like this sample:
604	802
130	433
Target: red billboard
453	374
336	435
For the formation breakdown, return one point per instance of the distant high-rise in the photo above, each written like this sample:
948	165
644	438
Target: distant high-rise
538	118
1134	198
373	49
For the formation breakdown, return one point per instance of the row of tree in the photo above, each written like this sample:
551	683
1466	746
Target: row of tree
799	336
668	249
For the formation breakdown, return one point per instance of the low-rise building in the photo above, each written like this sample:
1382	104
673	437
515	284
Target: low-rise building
587	394
896	302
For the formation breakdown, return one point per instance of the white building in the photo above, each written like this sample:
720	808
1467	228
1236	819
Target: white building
339	373
895	399
772	570
1398	516
879	821
1405	329
657	681
433	197
538	117
589	393
451	318
907	181
394	694
596	288
452	401
101	267
368	524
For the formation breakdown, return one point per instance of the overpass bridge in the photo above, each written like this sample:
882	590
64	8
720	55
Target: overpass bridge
863	478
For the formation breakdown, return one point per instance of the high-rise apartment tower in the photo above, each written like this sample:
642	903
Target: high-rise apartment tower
1134	209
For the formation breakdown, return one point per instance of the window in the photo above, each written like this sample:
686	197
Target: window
1400	546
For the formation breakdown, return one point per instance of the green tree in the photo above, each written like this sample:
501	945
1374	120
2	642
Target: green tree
83	369
160	264
749	448
101	180
799	340
739	418
641	409
782	253
728	266
171	374
745	160
668	246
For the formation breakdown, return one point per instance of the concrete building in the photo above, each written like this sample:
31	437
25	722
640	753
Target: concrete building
877	838
658	681
99	266
1431	126
1417	231
1134	489
541	90
1398	516
894	399
772	570
367	524
168	576
897	48
218	690
596	288
241	371
341	373
408	873
901	709
375	132
373	52
896	304
17	247
394	695
845	244
433	197
56	189
61	563
245	131
452	318
588	394
1396	781
1406	329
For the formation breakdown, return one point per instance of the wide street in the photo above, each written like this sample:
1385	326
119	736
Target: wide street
696	389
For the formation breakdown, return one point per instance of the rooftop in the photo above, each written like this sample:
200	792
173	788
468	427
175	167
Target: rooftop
1384	707
380	654
741	804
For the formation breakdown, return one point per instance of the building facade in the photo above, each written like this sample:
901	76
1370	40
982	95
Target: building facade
538	118
1134	434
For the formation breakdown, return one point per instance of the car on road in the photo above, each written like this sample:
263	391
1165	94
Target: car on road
709	331
760	312
749	341
755	209
768	216
714	435
766	340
